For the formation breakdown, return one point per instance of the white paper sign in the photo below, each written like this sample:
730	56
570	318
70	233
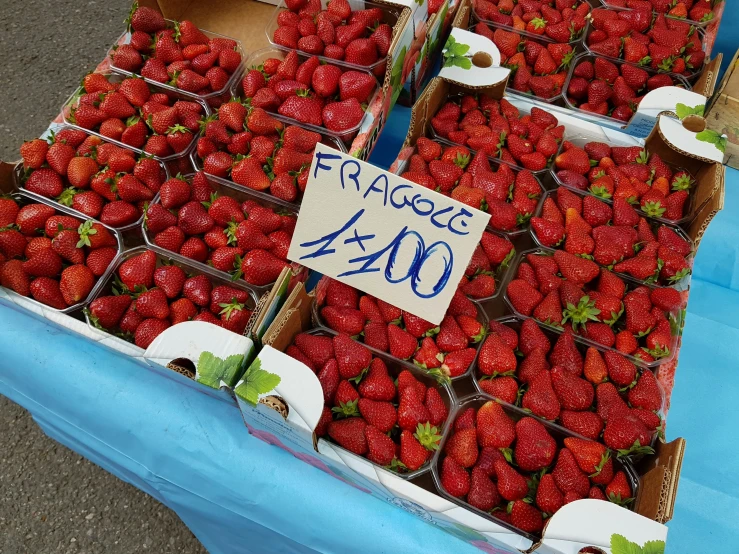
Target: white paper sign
384	235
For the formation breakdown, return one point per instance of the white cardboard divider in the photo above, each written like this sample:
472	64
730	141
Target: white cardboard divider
384	235
678	136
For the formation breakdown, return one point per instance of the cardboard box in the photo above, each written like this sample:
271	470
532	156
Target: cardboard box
722	114
653	103
564	533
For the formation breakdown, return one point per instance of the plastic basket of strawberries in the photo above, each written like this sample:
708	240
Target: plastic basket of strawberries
538	67
92	176
498	128
358	38
447	350
222	228
376	407
514	469
700	13
614	236
259	151
509	195
605	90
665	44
585	389
130	112
177	55
324	97
561	21
150	291
605	309
656	189
51	254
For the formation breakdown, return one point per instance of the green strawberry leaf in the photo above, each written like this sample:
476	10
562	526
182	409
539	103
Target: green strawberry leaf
459	49
464	63
684	111
212	369
621	545
712	137
653	547
256	381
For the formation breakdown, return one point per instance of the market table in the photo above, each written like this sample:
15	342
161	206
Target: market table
191	451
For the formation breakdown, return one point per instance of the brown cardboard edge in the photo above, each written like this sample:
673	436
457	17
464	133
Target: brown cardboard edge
660	475
293	318
706	83
462	17
724	81
267	299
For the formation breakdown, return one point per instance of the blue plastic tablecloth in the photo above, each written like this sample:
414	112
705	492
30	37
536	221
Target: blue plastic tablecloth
239	495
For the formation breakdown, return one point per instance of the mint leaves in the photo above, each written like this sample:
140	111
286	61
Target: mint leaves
684	111
621	545
212	369
714	138
455	54
256	381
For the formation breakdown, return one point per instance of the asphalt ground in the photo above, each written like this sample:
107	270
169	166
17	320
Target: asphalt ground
53	501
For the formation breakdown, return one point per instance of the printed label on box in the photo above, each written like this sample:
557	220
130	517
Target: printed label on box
384	235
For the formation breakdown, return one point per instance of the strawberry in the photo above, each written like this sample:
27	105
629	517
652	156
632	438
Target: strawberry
646	394
626	433
352	357
462	447
350	434
454	478
411	412
402	344
496	358
511	484
535	448
494	427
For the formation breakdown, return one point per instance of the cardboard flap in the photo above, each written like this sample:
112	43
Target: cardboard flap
191	338
603	520
658	486
682	141
472	60
706	83
293	317
715	204
299	387
668	97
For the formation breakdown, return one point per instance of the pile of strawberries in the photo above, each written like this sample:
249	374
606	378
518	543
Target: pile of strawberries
48	255
246	240
394	420
96	178
323	95
134	113
358	37
663	43
150	295
566	291
257	151
613	89
537	67
695	10
585	390
498	129
491	258
559	20
182	57
614	236
629	173
509	196
446	350
513	469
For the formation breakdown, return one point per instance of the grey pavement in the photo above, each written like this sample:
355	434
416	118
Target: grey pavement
53	501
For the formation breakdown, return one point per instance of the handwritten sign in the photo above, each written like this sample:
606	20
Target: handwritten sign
384	235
